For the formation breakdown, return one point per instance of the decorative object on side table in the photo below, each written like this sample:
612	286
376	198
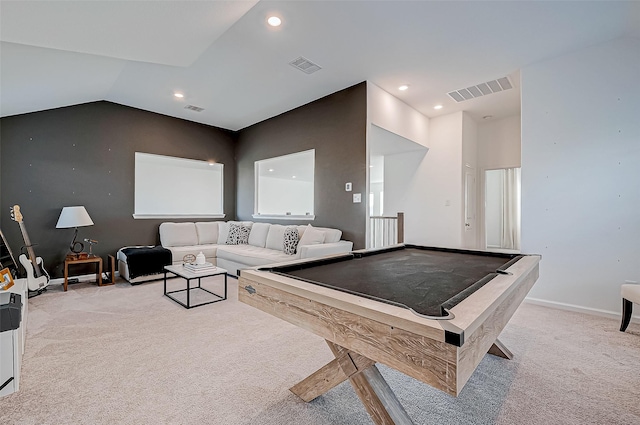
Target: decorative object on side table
91	242
74	217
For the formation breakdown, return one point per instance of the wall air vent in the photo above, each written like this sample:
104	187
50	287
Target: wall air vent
481	89
194	108
305	65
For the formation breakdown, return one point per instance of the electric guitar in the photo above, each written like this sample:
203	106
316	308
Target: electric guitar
37	276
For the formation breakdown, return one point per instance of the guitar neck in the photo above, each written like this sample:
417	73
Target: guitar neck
32	254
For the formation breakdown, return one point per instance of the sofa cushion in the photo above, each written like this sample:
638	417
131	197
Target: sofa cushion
312	236
291	237
178	234
223	232
330	235
207	232
238	234
258	235
252	255
275	237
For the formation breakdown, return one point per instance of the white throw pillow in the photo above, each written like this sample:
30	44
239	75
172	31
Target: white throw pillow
178	234
275	237
311	236
258	235
207	232
223	232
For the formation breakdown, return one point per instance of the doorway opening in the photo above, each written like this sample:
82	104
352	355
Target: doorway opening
502	209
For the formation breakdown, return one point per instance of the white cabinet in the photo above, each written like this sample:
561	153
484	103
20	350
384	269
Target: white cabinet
12	345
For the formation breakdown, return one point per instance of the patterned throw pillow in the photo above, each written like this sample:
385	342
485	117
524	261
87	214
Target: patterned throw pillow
238	234
243	237
290	240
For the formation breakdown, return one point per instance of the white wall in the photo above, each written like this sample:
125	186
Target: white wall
403	189
427	186
441	183
392	114
499	143
469	165
581	173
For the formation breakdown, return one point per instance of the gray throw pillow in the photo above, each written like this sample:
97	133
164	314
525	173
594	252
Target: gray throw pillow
291	237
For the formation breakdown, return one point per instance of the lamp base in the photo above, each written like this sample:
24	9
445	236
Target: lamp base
76	246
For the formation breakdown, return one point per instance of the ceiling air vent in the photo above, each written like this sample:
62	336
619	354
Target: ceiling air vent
305	65
194	108
481	89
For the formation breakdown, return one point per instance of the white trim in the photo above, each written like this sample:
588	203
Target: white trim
580	309
163	216
309	217
81	278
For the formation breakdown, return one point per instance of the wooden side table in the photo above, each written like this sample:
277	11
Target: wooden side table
96	260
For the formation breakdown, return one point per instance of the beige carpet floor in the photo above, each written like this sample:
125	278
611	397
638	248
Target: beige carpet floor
128	355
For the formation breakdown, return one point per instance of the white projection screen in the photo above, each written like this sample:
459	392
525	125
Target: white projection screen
167	187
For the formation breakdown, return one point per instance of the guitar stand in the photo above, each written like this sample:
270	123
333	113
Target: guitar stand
33	294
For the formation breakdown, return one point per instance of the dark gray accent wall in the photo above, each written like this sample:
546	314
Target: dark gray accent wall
84	155
335	126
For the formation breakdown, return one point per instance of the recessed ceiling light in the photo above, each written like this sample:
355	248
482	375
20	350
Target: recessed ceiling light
293	177
274	21
437	107
178	95
271	170
403	87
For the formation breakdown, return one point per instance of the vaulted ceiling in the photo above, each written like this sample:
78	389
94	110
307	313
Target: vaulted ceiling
224	58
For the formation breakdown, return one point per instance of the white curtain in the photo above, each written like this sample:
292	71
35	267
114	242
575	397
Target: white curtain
511	209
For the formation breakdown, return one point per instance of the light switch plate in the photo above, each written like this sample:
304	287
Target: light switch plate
357	198
347	187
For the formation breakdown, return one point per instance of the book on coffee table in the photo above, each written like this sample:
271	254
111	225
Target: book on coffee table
198	268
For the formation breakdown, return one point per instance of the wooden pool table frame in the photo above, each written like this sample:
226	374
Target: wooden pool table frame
361	332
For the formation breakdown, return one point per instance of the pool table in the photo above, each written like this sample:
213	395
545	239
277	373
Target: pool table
431	313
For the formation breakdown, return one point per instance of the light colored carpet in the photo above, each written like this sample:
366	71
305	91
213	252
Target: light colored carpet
128	355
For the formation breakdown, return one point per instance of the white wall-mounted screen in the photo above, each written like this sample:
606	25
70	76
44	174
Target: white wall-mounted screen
285	186
167	186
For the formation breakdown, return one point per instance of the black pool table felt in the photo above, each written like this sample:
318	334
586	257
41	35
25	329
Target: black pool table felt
423	280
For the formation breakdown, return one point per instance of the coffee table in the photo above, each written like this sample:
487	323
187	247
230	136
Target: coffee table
180	271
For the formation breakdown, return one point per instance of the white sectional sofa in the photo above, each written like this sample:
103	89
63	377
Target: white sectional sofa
264	245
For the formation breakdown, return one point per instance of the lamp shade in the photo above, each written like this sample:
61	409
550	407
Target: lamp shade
74	217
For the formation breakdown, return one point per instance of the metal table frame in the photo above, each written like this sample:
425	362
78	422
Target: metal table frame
179	271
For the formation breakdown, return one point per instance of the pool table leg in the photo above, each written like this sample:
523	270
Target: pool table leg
368	383
498	349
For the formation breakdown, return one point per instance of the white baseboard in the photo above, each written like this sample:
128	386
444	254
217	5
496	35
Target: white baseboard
82	278
580	309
